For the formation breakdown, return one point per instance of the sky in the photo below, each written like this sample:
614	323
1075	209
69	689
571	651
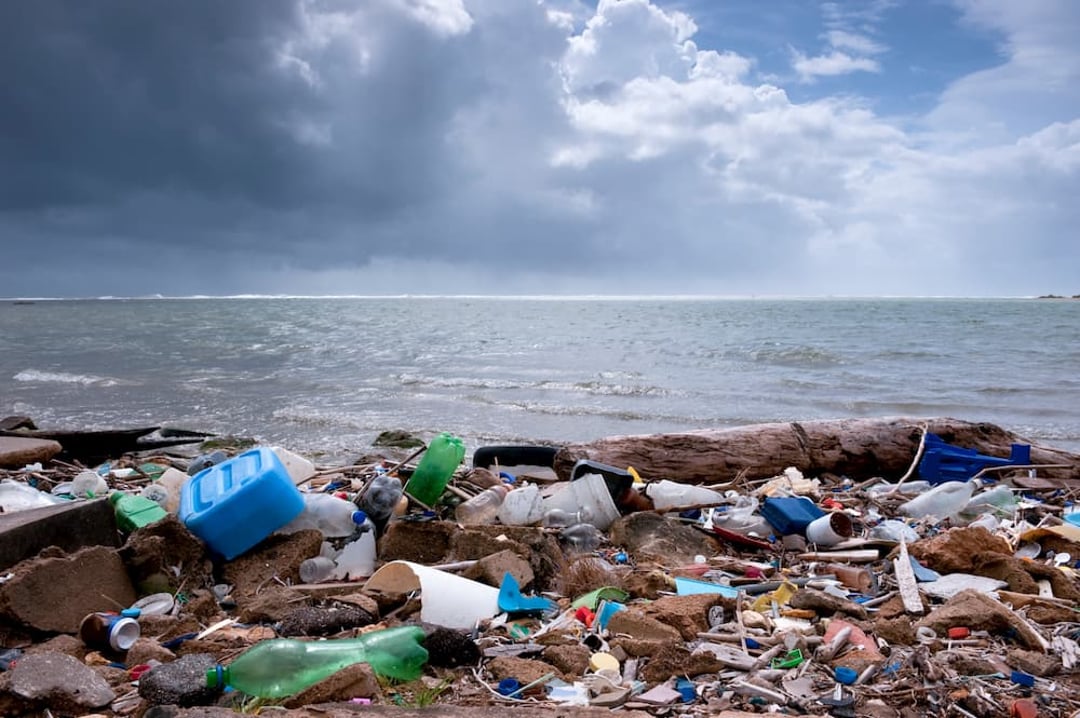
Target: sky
718	147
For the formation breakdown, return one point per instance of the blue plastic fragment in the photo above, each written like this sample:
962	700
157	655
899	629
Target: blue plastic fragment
686	689
512	601
943	462
1023	679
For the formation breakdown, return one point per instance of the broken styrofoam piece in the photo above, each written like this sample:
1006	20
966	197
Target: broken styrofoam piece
445	598
951	584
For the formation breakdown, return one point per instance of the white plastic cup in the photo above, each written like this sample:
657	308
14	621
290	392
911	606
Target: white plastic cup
830	529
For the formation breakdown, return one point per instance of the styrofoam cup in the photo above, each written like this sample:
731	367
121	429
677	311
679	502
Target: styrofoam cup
830	529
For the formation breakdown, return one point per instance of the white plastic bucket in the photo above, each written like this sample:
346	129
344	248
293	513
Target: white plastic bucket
587	492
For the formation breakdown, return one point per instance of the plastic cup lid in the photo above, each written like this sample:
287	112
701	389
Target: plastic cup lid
157	604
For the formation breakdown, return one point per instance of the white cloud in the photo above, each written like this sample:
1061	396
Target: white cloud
862	44
1033	86
835	63
446	17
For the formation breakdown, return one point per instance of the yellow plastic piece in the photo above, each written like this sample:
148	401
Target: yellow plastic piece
780	597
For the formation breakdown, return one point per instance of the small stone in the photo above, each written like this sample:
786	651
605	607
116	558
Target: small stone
1037	664
826	605
146	650
571	660
60	682
355	681
398	439
448	648
676	660
182	682
271	605
491	569
525	670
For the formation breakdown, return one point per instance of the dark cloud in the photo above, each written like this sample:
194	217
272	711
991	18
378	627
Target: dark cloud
371	146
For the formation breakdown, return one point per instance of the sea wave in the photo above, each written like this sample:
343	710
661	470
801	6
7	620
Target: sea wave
61	377
596	387
786	355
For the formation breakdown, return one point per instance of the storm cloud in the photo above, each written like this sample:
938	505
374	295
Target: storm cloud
506	146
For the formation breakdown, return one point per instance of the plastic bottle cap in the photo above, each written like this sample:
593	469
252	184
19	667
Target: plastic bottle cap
846	675
958	632
359	517
602	661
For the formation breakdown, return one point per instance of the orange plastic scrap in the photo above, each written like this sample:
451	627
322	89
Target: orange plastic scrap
1023	708
868	646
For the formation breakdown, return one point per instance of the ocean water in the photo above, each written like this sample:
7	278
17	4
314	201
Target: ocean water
326	375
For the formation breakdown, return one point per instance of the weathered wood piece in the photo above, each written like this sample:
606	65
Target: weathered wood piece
858	448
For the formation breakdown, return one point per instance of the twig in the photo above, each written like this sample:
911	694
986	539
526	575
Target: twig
915	462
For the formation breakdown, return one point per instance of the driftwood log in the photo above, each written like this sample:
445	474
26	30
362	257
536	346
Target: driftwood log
857	448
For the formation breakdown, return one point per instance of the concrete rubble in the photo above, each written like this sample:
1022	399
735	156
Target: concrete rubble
691	611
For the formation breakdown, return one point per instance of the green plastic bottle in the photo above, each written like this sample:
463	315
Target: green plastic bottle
285	666
444	454
133	512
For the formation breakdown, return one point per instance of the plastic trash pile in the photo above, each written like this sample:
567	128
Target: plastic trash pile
417	580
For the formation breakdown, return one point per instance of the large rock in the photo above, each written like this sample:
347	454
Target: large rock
955	550
69	526
980	612
152	551
278	556
648	536
61	683
55	594
16	452
689	615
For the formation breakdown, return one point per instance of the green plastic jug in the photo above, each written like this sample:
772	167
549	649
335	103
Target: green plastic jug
444	454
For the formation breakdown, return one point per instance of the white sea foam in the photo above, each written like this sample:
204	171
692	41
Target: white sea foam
61	377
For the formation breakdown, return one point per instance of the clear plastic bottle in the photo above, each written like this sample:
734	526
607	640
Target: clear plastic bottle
317	568
557	518
333	516
942	501
667	494
380	498
582	537
437	466
482	508
284	666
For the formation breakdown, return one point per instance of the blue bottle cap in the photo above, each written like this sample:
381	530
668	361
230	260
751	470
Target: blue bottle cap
508	686
359	517
846	675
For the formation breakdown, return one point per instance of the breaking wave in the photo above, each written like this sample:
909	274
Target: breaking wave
60	377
